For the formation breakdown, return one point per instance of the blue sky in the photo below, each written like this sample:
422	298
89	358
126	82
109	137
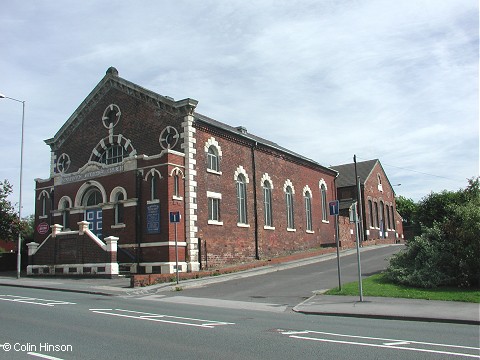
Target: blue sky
327	79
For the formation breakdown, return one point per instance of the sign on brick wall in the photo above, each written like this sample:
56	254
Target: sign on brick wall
153	219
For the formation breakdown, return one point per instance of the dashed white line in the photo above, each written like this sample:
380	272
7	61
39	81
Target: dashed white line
43	356
163	318
34	301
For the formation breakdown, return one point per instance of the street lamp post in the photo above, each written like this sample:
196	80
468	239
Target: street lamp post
19	245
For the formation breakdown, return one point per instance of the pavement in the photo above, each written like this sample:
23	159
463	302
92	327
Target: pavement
318	304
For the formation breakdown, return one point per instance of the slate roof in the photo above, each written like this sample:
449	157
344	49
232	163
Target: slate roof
346	176
237	131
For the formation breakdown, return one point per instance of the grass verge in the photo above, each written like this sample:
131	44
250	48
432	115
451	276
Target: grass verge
377	285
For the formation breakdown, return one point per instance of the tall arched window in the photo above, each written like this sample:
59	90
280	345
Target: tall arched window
213	162
267	203
241	199
377	222
289	203
119	208
389	223
44	205
308	211
323	191
382	219
65	214
393	218
176	185
370	210
154	187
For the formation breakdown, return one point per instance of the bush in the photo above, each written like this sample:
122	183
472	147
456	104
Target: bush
447	253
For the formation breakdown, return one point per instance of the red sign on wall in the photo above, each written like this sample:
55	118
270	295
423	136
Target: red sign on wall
43	228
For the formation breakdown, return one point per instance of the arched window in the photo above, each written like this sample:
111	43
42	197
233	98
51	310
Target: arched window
113	154
213	162
393	218
44	205
379	181
119	208
377	222
176	185
241	199
382	219
308	210
370	210
65	214
92	197
289	203
389	223
154	187
323	191
267	203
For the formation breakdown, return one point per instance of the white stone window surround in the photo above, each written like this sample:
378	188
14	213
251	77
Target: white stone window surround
324	201
61	203
85	187
177	172
116	190
212	142
153	173
267	202
307	193
214	195
44	195
290	207
266	177
109	141
113	199
241	171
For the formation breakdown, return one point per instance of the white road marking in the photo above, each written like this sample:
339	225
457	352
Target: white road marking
382	343
35	301
219	303
169	319
43	356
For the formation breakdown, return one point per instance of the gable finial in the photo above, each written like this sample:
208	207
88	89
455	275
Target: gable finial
112	70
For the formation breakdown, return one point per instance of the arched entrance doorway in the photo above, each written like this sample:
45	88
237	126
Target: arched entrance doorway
92	198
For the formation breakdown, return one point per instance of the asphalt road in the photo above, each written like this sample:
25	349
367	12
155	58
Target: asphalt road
292	286
60	325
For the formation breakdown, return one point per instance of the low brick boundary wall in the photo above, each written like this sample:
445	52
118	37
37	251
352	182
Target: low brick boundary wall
141	280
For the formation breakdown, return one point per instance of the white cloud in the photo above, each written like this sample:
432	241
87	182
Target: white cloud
391	80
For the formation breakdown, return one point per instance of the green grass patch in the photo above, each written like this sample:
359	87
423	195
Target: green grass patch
377	285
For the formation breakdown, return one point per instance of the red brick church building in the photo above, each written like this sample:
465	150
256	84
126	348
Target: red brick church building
128	157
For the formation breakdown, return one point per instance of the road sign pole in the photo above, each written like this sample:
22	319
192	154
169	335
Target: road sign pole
176	252
357	237
338	253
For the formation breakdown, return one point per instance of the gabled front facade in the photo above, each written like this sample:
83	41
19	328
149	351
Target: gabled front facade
380	219
127	158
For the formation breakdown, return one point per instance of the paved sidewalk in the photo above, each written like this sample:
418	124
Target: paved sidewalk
392	308
374	307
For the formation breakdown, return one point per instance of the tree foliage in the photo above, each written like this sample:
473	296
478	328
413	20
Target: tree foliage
10	225
447	251
407	208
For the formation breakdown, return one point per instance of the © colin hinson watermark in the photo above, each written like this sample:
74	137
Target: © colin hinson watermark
40	347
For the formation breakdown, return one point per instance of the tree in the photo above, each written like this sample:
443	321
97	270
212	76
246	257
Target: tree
447	251
10	225
408	209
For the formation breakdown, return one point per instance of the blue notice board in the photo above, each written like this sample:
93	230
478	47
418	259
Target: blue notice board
153	219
